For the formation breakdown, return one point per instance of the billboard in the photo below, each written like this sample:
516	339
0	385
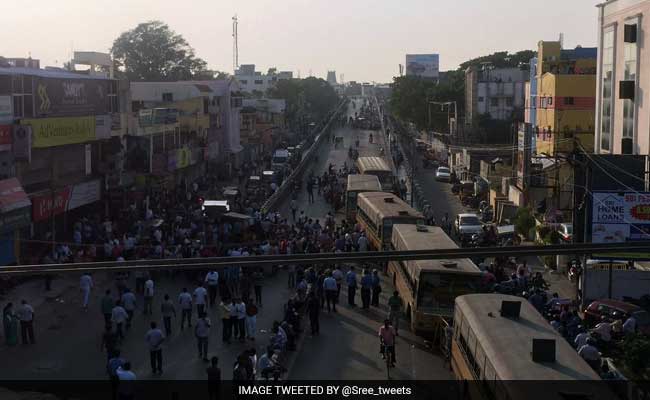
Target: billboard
56	97
6	137
68	198
48	132
422	65
619	217
524	135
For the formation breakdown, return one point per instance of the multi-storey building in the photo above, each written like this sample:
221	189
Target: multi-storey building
496	92
255	81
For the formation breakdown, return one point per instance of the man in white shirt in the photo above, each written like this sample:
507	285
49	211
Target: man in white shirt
126	381
581	339
604	331
212	280
202	332
129	304
629	326
148	296
362	242
185	300
85	285
155	338
590	354
200	296
240	312
119	317
25	315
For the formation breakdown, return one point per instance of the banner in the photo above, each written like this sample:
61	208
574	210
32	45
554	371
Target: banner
619	217
65	199
22	143
49	132
103	126
6	109
63	97
6	137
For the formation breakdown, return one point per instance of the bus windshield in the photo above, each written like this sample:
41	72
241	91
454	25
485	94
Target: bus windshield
438	290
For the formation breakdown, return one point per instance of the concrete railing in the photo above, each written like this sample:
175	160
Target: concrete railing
272	203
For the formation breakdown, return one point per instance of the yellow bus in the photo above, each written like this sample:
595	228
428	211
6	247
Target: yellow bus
358	184
430	287
500	340
378	167
377	212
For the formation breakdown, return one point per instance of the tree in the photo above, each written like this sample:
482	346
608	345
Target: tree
152	51
524	221
501	59
310	98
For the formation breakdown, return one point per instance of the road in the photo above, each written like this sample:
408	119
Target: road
348	346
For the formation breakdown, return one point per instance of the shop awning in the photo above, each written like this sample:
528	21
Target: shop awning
12	196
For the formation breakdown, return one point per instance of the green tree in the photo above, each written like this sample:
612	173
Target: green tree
501	59
152	51
310	98
524	221
636	354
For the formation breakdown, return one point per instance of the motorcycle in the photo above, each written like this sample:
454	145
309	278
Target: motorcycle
575	271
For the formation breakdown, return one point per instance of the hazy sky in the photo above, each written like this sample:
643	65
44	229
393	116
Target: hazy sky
363	39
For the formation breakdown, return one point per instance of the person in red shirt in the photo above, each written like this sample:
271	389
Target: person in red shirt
387	341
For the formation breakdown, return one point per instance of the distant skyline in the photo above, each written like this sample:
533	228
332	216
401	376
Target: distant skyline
364	40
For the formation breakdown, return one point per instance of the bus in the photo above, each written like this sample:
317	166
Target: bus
377	212
430	287
499	340
378	167
358	184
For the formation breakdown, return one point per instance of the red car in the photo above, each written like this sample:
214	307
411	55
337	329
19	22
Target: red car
623	310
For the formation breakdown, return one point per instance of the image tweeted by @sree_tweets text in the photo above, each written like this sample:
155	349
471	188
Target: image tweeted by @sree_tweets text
343	391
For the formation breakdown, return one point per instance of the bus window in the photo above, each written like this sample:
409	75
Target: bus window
388	228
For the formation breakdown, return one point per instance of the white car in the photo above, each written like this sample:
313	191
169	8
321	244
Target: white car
443	174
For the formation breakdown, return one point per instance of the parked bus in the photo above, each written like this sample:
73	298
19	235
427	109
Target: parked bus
430	287
378	167
358	184
377	212
500	340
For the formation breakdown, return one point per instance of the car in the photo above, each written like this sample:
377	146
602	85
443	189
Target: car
443	174
615	309
566	231
467	225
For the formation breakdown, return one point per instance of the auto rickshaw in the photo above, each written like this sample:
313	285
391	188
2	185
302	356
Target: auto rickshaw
466	189
507	236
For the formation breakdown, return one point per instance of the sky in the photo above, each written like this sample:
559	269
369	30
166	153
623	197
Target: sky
365	40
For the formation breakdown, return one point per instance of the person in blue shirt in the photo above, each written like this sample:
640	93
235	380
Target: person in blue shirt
351	280
366	287
376	288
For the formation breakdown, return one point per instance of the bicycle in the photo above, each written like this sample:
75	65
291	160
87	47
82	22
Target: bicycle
388	356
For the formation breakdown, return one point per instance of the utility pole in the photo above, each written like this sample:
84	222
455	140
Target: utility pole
235	46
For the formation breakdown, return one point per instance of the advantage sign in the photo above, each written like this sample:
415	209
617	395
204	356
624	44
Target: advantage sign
619	217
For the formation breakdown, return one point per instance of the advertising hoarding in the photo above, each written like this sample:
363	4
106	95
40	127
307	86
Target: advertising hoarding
67	97
524	136
422	65
620	217
6	137
65	199
49	132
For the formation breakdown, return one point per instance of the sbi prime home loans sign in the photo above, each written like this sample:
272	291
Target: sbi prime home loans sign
620	216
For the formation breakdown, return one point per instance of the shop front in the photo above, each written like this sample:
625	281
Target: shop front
15	218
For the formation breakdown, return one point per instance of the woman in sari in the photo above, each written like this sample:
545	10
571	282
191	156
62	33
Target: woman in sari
10	323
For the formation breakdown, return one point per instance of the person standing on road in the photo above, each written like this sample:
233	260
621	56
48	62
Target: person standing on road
109	342
148	296
224	310
129	302
395	305
258	279
212	280
351	280
366	288
85	285
362	242
376	288
292	275
155	338
26	317
200	296
119	317
251	320
202	332
107	307
168	311
185	300
313	309
294	208
337	274
330	288
10	323
214	378
310	190
240	313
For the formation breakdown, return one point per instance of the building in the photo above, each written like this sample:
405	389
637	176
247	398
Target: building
498	93
331	77
423	65
251	81
199	125
53	127
623	82
263	126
